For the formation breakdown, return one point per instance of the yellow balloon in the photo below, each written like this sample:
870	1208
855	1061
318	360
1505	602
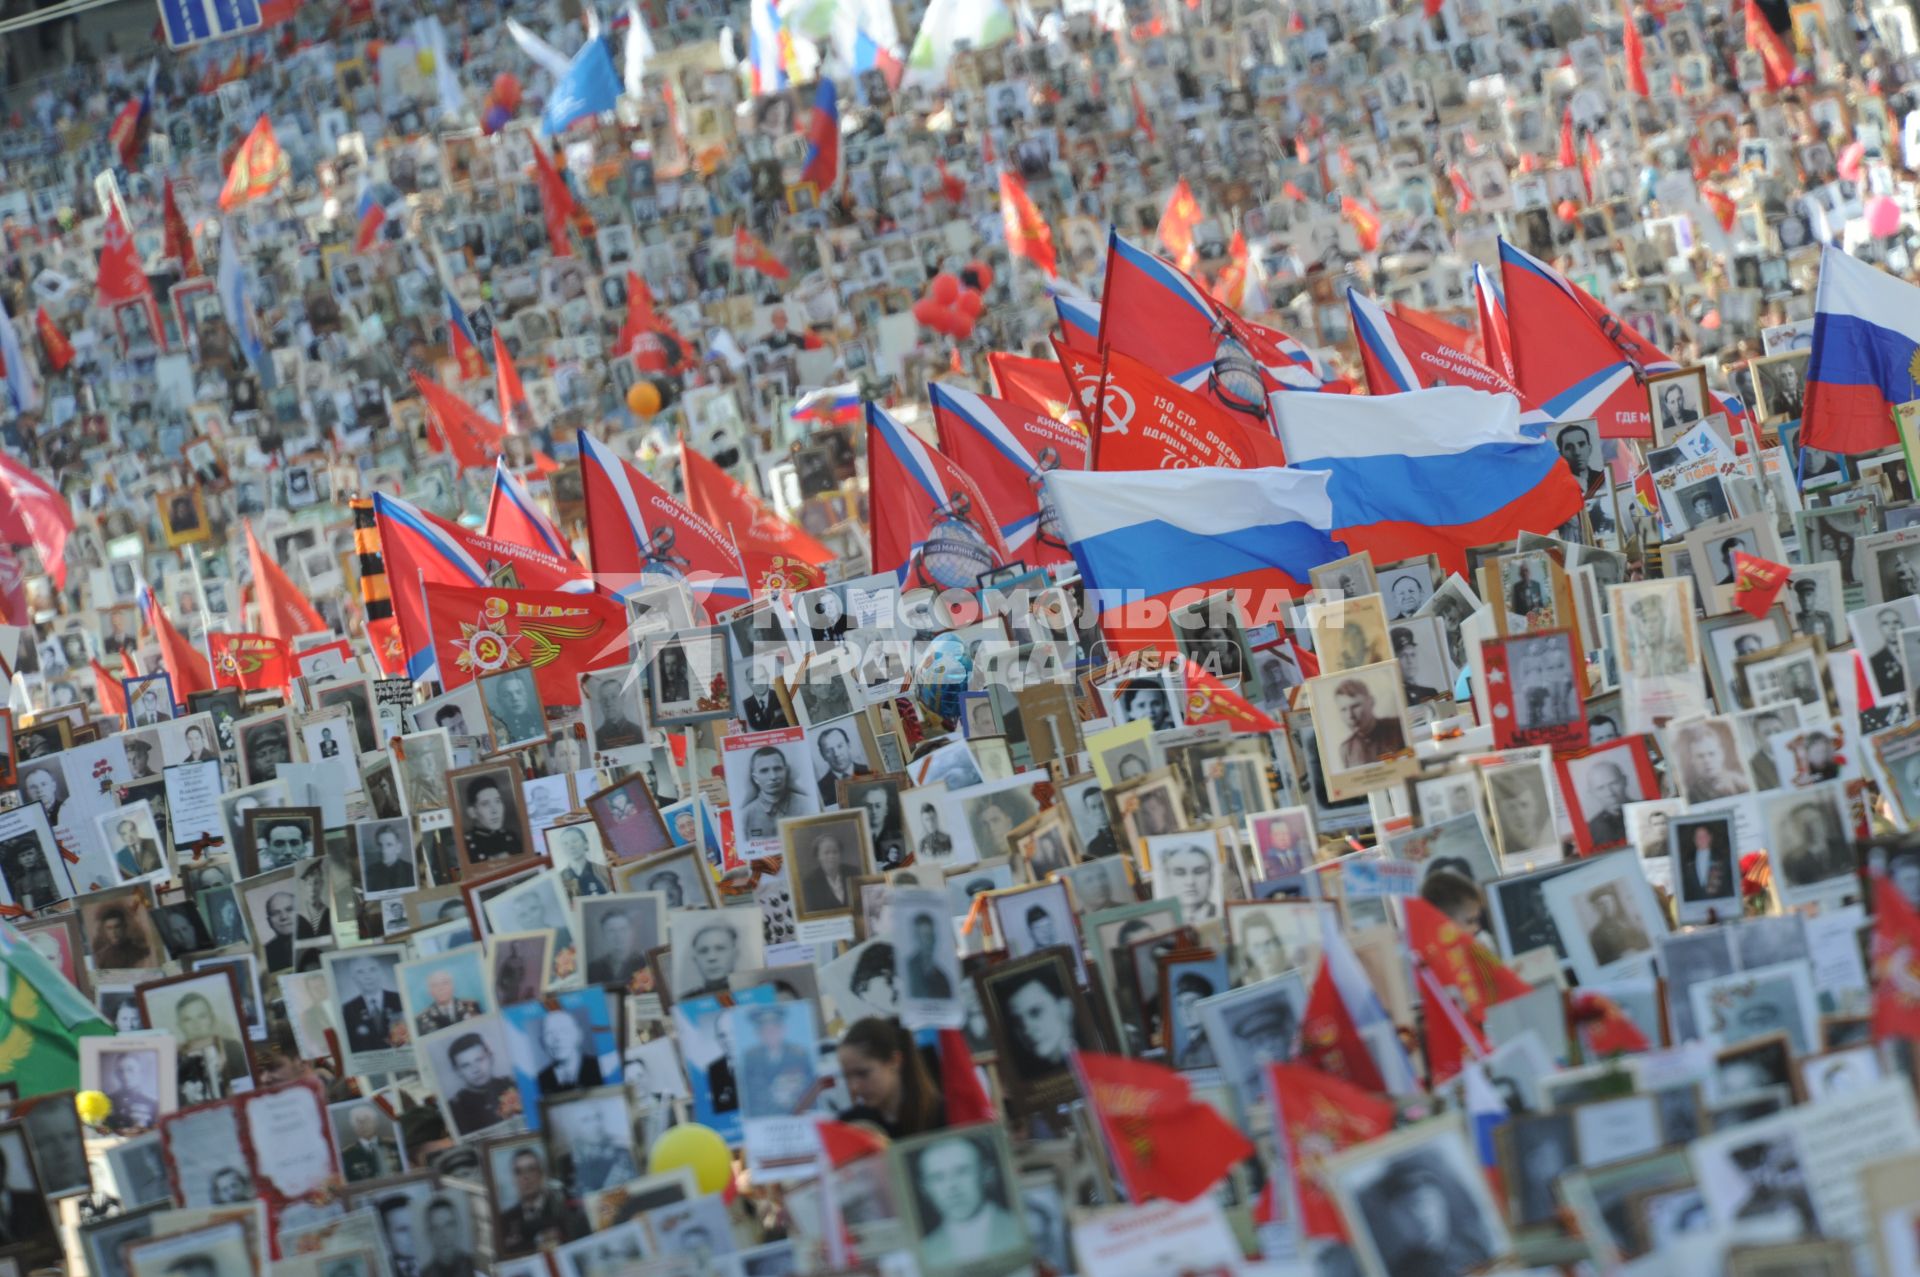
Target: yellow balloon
643	397
698	1148
93	1107
424	59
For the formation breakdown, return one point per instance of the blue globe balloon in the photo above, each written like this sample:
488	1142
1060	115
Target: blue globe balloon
943	675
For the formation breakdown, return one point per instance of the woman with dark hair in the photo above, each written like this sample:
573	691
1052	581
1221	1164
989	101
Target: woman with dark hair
891	1086
1836	544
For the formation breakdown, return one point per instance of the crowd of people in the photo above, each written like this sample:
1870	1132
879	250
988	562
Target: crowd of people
827	637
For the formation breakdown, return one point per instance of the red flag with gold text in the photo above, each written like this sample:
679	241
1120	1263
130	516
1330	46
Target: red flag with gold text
483	630
252	662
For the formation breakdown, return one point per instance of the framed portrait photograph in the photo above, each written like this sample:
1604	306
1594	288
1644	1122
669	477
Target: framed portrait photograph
387	863
489	816
471	1066
823	689
1780	386
617	934
1037	1014
138	1072
1679	400
1605	913
687	677
1415	1198
511	699
682	878
201	1011
278	838
629	820
1360	719
149	700
1703	868
264	742
959	1196
770	777
1349	633
589	1143
711	945
365	984
824	853
1810	844
1536	687
1597	785
615	705
442	989
1211	633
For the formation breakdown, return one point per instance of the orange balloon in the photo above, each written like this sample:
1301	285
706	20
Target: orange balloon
643	397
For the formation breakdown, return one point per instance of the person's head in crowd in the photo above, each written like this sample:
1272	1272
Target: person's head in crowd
1458	897
888	1080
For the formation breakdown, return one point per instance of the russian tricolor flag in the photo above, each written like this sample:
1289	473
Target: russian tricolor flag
765	63
1147	540
830	405
1079	322
823	138
1866	355
922	505
1008	451
1428	471
369	216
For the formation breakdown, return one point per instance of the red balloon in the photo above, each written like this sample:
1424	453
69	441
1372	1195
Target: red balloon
964	328
506	90
1568	210
928	312
944	289
982	274
969	304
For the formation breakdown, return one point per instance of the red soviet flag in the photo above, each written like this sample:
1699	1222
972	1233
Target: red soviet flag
1165	1142
1315	1116
556	202
285	613
252	662
122	278
484	629
1459	961
776	554
1149	423
1757	582
1028	234
1896	963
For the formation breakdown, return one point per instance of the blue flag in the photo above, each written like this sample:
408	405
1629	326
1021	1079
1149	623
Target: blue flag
590	86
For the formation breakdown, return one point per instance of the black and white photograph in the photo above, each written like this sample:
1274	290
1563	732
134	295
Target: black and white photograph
1417	1201
710	945
277	838
681	878
1809	844
879	799
530	1206
387	863
588	1140
472	1073
616	934
534	903
959	1195
823	855
1420	650
1892	565
578	851
1780	386
1679	400
1578	443
512	701
770	777
1707	757
1136	697
1605	914
985	816
459	713
34	874
1600	783
1189	868
1037	1016
367	1141
489	816
839	754
823	690
366	1006
615	704
1360	716
222	1249
264	742
201	1012
1251	1027
1520	806
137	1072
1211	634
864	981
928	974
687	677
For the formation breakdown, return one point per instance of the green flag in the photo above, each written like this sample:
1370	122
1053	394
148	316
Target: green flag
42	1019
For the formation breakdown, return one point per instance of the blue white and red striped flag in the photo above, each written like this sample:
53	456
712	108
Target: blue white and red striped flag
1009	451
1866	355
1427	471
